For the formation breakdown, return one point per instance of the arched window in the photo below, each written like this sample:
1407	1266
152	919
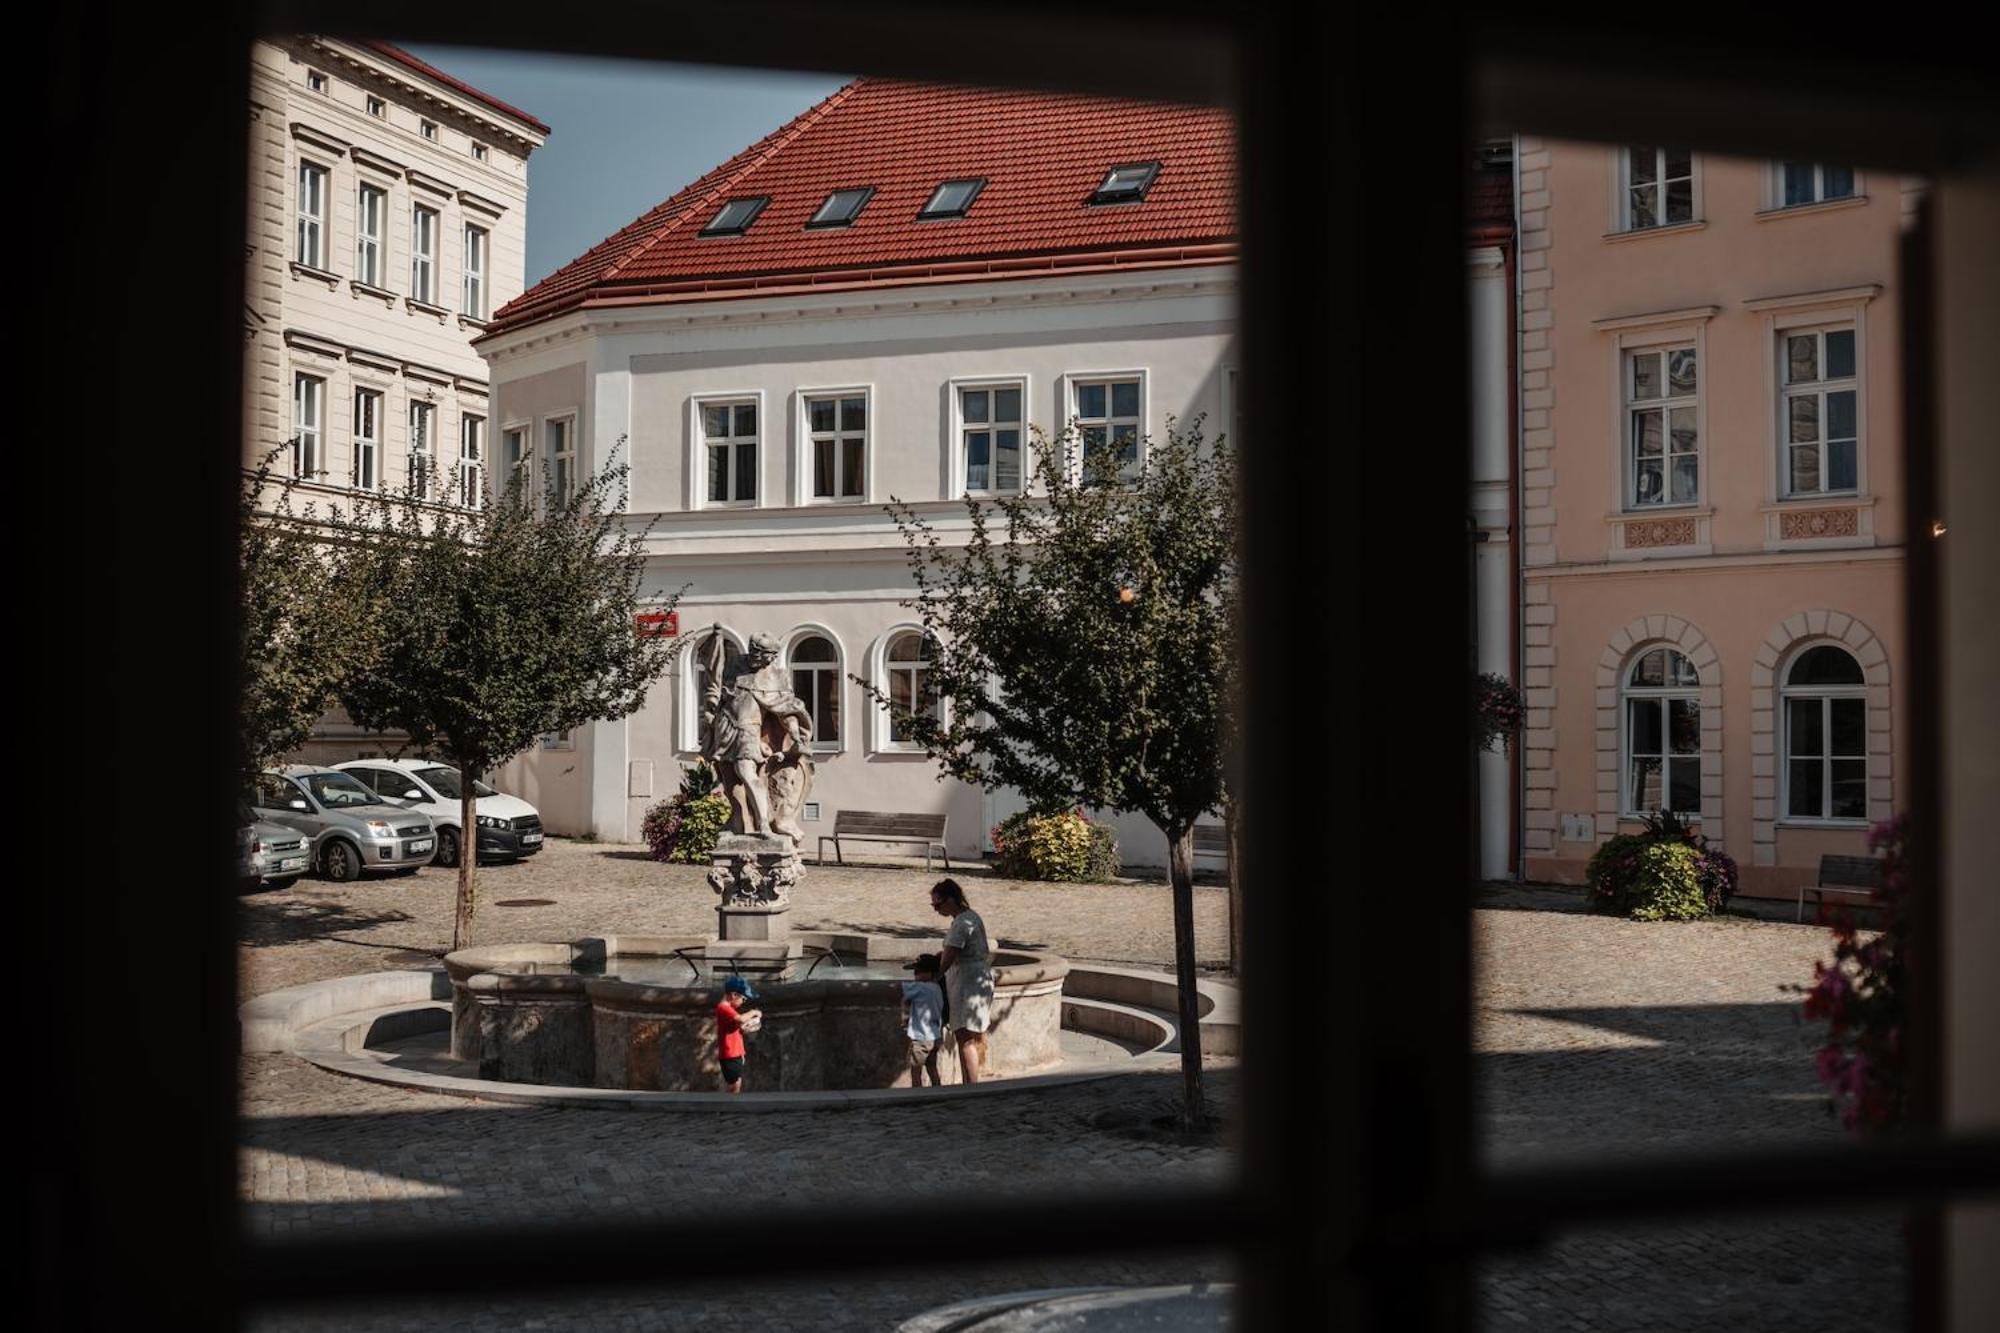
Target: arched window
815	665
694	678
908	666
1662	707
1826	736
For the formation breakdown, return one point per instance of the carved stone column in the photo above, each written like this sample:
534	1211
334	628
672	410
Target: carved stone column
753	875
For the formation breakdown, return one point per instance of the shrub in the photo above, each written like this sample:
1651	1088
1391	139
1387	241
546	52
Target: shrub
1627	875
1064	846
1859	995
685	829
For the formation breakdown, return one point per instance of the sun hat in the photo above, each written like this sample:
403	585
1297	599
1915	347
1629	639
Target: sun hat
740	986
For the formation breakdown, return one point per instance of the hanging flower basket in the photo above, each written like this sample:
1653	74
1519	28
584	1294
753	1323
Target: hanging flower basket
1497	710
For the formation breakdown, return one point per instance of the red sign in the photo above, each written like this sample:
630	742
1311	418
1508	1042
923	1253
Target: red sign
658	624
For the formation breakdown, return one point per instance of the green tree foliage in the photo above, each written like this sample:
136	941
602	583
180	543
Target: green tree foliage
306	625
502	624
1082	638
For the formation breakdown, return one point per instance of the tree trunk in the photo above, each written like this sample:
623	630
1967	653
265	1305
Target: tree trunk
1180	861
468	857
1235	899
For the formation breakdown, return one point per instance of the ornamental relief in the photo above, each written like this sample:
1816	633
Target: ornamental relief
1659	532
1809	523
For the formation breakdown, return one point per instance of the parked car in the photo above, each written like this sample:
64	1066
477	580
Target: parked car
268	855
352	829
509	828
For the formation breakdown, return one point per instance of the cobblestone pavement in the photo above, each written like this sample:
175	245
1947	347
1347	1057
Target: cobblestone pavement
1596	1038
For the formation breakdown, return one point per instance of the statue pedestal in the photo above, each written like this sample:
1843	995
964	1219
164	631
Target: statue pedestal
754	875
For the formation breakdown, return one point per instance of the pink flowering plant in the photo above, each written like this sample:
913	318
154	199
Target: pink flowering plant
686	827
1669	872
1497	710
1860	997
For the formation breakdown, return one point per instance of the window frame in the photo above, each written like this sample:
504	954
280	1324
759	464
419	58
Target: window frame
837	669
471	491
373	243
696	461
714	227
474	241
428	129
373	442
817	223
1665	696
805	445
1621	192
1133	194
881	731
420	447
1819	389
478	151
687	694
319	223
1827	695
1820	310
562	462
955	426
308	439
1072	381
523	429
1774	186
318	82
423	256
930	213
1666	404
376	107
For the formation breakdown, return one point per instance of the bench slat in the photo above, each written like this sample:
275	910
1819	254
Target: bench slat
1863	872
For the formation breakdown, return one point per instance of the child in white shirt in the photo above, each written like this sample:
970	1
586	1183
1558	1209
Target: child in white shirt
923	1020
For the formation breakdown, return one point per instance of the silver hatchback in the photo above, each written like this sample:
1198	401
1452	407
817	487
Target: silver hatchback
352	829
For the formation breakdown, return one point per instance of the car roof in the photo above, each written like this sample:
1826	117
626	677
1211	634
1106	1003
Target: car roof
407	765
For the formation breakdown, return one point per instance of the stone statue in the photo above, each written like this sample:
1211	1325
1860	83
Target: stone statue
754	732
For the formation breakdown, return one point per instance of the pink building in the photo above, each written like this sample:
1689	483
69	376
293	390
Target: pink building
1712	535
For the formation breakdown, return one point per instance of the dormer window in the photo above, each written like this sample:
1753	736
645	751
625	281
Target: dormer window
1126	184
841	207
736	216
953	198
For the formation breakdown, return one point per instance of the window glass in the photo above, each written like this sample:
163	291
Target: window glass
816	680
840	207
952	198
337	791
444	781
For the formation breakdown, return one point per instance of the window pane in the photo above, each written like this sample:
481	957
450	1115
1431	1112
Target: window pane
1850	789
975	405
1850	726
1825	665
1804	734
746	418
1680	671
813	649
1681	430
1805	418
1686	482
718	472
1680	201
1806	788
1684	725
1646	376
1125	439
1007	460
1805	467
1093	440
1645	164
826	706
1090	400
1006	404
1643	790
1650	485
1798	183
1684	793
1645	726
854	414
1801	359
715	421
1840	415
1646	433
823	468
1840	465
850	464
1650	669
1645	213
1840	354
1125	400
821	410
1680	162
978	473
1680	371
746	471
1837	182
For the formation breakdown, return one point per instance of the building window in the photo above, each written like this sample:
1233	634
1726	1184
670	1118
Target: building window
475	272
907	663
989	436
952	199
514	453
429	129
1813	183
367	439
1826	736
1659	187
423	254
371	205
1126	184
312	216
1819	418
316	81
559	443
471	457
694	683
559	740
735	217
308	393
479	152
1662	437
423	449
1107	417
815	664
729	451
841	207
377	108
839	432
1662	734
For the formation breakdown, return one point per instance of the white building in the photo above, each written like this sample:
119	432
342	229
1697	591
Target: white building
881	300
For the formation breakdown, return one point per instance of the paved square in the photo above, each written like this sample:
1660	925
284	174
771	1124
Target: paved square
1595	1037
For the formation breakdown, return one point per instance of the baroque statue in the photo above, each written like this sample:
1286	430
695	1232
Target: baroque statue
754	733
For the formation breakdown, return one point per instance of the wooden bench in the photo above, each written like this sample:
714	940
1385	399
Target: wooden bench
877	826
1855	876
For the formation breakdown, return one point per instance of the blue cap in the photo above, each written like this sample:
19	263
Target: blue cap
740	986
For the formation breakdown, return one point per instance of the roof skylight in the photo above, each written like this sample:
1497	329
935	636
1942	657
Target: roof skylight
953	198
1126	184
841	207
736	216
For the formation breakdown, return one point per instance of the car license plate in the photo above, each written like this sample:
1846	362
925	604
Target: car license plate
421	845
530	839
292	863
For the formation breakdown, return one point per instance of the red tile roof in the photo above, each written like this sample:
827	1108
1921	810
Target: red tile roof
1041	154
1492	202
404	58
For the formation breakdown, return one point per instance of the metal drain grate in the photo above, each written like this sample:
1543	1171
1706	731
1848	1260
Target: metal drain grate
526	902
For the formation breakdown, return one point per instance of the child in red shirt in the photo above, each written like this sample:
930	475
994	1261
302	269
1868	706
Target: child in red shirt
731	1022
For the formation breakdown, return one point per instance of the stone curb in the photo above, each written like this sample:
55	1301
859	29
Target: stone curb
272	1022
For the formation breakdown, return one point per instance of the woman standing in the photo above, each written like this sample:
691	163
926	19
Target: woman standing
968	976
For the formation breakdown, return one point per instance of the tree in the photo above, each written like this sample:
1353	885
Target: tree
1085	652
502	624
305	625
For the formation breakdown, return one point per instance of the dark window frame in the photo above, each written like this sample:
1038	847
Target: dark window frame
714	227
1129	194
815	223
929	214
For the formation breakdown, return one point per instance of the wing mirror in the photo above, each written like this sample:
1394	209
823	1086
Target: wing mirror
413	795
298	803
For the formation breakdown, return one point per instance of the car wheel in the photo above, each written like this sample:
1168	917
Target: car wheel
340	862
447	853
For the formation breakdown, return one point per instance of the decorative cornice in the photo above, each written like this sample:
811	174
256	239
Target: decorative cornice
481	202
1691	315
465	385
313	343
376	359
406	84
368	158
332	280
430	374
1866	292
319	138
430	182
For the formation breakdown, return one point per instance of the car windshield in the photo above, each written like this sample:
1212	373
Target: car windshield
337	790
444	782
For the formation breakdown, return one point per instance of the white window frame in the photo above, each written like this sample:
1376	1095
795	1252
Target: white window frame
525	430
367	446
420	462
310	224
318	82
1665	404
1067	397
471	460
1774	188
423	254
687	725
956	427
562	461
1784	315
478	151
428	129
370	251
838	669
804	444
1629	693
1787	692
308	435
377	107
472	286
1621	184
881	733
1820	389
696	469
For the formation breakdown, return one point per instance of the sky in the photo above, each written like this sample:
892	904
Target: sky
626	133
